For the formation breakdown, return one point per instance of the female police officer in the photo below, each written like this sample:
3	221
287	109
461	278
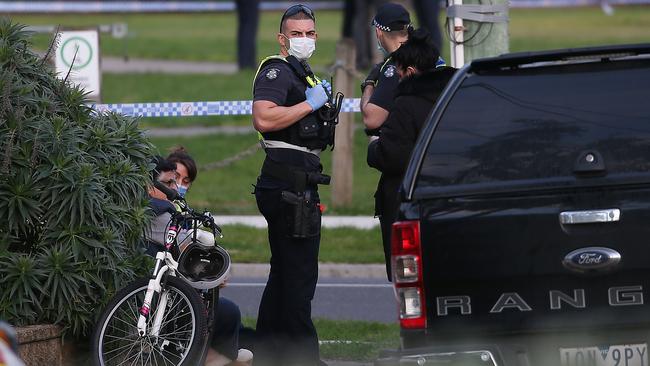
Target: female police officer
286	99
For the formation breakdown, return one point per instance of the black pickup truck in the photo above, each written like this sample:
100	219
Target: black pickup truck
524	229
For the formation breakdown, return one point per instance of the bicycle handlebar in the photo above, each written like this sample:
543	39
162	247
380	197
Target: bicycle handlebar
171	194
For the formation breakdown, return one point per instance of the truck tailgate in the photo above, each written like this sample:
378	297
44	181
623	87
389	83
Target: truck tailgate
487	270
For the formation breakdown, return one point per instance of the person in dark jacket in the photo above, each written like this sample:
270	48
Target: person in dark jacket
421	83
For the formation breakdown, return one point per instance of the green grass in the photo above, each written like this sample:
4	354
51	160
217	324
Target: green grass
539	29
185	36
211	36
228	190
193	37
351	340
338	245
125	88
144	88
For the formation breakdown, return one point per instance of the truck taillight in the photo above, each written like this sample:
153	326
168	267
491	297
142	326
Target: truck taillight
406	262
405	268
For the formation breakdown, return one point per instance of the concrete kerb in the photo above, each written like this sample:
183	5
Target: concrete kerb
258	221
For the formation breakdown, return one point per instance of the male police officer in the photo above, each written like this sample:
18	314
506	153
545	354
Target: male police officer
286	104
391	23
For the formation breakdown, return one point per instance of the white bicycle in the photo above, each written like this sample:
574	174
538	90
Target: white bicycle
166	319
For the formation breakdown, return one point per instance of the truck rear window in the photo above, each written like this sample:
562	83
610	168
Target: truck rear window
512	127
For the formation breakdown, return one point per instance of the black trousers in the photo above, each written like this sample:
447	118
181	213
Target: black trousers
227	324
286	334
427	13
247	22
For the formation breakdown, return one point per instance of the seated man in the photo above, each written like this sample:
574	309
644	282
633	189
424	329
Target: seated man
225	336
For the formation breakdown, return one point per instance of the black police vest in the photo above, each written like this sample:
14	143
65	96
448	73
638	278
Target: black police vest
307	132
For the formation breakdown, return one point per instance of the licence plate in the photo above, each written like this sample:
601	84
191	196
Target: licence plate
617	355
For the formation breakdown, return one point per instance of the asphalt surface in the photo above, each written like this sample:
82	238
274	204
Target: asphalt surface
198	131
336	298
122	65
343	292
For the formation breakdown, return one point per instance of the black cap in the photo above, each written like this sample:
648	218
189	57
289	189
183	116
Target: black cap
391	17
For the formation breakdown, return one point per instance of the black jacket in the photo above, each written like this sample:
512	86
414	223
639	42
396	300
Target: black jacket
390	153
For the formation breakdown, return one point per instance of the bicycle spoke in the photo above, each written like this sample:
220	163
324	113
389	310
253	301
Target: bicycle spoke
125	341
128	324
162	354
122	345
130	355
165	323
134	308
130	346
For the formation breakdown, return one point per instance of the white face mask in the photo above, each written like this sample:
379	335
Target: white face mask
301	48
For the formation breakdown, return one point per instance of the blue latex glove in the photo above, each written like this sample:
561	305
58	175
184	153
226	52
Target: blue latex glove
316	97
327	86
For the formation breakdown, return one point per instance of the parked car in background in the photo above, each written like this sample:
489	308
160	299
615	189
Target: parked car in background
524	229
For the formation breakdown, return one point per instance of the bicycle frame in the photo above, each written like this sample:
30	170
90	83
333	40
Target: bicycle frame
154	286
164	262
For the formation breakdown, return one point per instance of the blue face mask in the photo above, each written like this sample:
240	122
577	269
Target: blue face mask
182	190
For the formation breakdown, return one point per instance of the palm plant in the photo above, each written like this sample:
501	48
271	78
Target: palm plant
72	194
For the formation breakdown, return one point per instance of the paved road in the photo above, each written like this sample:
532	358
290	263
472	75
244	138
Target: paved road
198	131
369	299
120	65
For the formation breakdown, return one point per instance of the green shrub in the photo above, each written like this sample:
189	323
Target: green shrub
72	194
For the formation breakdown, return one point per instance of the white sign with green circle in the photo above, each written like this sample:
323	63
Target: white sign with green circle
78	54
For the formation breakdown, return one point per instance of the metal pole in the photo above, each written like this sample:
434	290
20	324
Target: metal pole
486	29
456	30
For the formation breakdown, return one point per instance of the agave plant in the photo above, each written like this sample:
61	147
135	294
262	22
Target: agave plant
72	194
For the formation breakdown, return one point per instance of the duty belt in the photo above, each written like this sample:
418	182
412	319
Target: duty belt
274	144
299	179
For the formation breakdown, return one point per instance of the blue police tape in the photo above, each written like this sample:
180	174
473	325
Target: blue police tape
187	109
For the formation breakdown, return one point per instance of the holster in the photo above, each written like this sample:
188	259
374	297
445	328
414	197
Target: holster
303	220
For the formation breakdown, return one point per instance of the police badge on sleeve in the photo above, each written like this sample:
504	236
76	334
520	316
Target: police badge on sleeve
390	71
272	74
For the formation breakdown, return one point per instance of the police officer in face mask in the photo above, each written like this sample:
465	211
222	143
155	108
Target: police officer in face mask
378	91
288	101
392	24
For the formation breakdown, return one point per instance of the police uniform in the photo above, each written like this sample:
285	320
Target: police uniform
389	17
284	326
386	85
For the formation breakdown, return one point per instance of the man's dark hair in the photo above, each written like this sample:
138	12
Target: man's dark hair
180	156
418	51
161	165
296	12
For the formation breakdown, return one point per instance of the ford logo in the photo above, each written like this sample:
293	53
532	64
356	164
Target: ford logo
591	259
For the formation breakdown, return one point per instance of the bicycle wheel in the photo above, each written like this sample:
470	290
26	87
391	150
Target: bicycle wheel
116	340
